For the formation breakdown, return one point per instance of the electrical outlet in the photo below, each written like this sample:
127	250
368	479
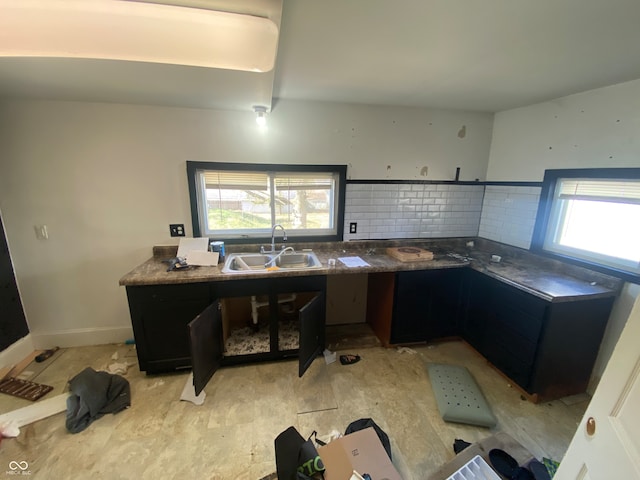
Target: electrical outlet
176	229
353	227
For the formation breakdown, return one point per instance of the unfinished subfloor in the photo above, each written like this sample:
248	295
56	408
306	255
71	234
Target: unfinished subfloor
231	435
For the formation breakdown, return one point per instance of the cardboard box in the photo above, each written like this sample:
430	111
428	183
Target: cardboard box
361	451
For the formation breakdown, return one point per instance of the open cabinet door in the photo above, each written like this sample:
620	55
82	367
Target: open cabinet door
205	339
312	338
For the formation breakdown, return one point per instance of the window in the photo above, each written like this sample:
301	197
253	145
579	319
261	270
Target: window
592	217
242	202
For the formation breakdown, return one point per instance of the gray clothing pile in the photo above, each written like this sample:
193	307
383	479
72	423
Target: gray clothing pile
93	395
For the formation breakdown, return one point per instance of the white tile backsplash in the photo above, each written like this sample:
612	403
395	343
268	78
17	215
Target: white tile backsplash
413	210
509	214
502	213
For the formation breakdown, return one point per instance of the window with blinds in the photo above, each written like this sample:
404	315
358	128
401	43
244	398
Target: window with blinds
245	201
593	220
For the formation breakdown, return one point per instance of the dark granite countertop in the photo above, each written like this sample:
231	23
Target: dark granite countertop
548	279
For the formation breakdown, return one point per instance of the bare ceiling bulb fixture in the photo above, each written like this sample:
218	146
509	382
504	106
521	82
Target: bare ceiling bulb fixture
261	115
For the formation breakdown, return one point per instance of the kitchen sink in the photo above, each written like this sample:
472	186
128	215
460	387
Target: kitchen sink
298	261
238	263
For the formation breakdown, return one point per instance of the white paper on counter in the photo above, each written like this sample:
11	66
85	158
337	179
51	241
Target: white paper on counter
353	262
187	244
202	259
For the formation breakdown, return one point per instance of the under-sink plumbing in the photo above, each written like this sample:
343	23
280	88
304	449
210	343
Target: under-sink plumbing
255	304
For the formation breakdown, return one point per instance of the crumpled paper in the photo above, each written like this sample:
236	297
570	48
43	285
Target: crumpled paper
9	429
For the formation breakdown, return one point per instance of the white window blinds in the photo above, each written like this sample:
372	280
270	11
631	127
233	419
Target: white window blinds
235	180
619	191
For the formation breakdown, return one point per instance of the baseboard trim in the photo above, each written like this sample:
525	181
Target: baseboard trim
82	337
16	352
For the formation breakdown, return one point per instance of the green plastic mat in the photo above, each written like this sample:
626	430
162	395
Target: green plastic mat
458	396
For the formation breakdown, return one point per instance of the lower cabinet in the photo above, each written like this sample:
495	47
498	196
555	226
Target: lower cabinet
426	305
159	316
548	349
181	326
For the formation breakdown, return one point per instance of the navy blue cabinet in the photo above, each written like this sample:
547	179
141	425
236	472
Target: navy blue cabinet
159	316
179	326
426	305
547	348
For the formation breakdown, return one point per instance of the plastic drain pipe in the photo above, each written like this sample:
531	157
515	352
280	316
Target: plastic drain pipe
255	304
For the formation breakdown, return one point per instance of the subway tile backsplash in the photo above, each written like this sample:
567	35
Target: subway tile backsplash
389	210
509	214
503	213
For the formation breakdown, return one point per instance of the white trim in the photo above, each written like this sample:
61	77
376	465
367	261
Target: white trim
36	411
81	337
17	351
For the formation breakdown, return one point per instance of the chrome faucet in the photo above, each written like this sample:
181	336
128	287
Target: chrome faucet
273	238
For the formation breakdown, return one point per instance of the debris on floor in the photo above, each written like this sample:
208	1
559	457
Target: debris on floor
95	394
189	393
9	429
119	368
408	350
37	411
24	388
46	354
349	359
329	356
26	375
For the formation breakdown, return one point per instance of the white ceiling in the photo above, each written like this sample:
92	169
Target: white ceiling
488	55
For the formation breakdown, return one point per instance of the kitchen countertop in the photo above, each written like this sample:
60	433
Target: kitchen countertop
545	278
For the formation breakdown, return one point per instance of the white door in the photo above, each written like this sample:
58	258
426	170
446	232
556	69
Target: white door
607	443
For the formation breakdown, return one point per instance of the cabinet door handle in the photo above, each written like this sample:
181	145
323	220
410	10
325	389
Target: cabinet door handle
591	426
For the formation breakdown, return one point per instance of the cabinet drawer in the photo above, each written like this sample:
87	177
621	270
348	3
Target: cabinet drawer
164	293
512	367
503	337
522	313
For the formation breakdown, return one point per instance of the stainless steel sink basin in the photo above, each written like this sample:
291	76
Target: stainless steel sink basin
298	260
238	263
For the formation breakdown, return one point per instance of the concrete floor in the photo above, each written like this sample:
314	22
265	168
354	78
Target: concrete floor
231	435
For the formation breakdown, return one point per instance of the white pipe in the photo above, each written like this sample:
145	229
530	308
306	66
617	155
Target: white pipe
255	304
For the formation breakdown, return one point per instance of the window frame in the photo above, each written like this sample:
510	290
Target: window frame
339	170
545	209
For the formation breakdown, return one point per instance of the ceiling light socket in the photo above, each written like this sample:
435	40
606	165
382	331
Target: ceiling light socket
261	115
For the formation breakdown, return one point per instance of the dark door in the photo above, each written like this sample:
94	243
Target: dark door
14	325
205	337
412	304
312	338
445	288
477	309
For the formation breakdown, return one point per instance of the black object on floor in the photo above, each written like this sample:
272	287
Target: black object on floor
349	359
507	466
539	470
46	354
459	445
